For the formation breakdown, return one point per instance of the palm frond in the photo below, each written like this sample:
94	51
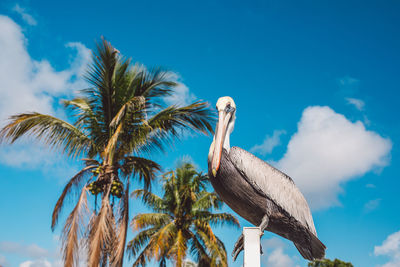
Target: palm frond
101	233
101	74
133	104
199	252
144	256
144	220
54	132
183	220
216	219
196	116
111	145
74	181
178	249
140	240
207	200
71	232
215	247
145	169
153	83
119	248
157	239
164	238
149	199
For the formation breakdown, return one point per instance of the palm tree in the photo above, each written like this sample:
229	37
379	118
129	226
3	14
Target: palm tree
117	123
181	221
329	263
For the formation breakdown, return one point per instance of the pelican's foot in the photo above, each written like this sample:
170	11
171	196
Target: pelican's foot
238	247
263	226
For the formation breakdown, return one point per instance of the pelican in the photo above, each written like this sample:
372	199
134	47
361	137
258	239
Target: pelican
261	194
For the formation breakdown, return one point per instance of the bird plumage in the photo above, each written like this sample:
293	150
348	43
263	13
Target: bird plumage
258	192
278	186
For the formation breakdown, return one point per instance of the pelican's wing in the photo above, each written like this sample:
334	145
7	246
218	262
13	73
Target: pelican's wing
274	184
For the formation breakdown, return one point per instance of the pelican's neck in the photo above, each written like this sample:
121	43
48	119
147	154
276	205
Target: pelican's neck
226	144
231	125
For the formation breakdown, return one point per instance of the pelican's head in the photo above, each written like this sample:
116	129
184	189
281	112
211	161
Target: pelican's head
226	120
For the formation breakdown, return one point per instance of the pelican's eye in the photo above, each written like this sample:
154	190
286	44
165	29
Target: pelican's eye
229	108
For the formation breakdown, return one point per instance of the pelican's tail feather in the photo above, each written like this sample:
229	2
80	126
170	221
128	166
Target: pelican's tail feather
313	252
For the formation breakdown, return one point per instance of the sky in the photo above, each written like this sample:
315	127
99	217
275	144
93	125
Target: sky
315	84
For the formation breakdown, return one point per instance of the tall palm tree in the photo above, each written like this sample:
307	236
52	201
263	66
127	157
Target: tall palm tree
181	221
117	122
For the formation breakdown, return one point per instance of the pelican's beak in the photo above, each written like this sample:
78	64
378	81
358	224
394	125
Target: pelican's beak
224	117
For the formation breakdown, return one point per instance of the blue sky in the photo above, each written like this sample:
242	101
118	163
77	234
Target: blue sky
315	83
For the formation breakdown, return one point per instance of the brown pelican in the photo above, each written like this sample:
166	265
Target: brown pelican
257	191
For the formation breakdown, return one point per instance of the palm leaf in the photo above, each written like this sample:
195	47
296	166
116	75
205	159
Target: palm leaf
71	233
101	233
207	200
145	169
74	181
149	199
196	116
119	248
140	240
54	132
215	247
145	220
217	219
178	249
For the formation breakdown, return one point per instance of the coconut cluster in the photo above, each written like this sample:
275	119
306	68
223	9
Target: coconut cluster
117	188
97	187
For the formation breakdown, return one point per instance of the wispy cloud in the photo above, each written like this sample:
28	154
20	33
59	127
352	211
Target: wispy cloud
370	186
357	103
390	248
276	256
37	263
348	85
182	95
3	261
30	251
28	85
25	15
329	150
371	205
270	142
33	255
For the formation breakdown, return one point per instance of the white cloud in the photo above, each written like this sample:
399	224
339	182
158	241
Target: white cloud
274	255
348	85
371	205
390	248
181	95
270	142
357	103
272	243
36	263
3	261
25	16
78	64
31	251
329	150
370	186
34	256
279	259
27	85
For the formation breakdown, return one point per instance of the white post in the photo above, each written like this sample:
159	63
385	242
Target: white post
251	247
